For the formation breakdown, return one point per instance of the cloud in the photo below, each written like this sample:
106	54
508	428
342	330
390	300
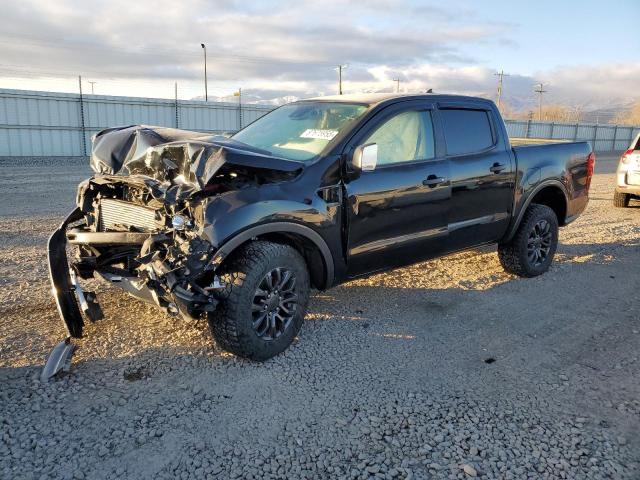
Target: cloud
296	40
582	84
276	49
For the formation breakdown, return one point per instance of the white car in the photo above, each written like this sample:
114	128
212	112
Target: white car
628	175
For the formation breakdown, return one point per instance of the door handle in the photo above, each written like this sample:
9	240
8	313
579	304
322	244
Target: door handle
433	181
497	167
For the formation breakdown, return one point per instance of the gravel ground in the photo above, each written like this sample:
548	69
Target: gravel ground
447	369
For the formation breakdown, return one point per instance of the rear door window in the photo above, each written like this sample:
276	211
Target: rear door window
466	131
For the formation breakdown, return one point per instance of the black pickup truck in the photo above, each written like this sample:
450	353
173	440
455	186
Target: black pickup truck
313	194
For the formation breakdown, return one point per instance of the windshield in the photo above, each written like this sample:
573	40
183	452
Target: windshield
299	131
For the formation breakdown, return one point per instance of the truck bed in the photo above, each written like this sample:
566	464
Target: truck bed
566	163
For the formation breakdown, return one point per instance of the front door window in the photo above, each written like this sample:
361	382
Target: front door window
405	137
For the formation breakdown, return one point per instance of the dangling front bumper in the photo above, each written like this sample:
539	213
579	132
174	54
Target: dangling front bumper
166	273
158	283
62	286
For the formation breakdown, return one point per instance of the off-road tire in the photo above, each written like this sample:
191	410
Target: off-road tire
231	322
621	199
514	256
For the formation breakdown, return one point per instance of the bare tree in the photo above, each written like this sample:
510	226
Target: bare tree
560	113
548	113
629	117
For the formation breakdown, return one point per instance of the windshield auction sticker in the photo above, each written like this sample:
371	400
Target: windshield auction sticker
320	134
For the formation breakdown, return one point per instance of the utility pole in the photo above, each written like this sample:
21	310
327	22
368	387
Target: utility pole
339	69
92	83
501	75
397	80
539	90
206	95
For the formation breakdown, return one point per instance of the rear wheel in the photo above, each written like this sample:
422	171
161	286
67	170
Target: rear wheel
263	305
531	250
621	199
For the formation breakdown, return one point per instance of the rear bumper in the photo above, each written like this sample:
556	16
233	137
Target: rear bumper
623	184
629	189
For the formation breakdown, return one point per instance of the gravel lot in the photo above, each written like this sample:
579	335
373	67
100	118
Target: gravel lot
447	369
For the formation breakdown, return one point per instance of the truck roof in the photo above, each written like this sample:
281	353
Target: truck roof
375	98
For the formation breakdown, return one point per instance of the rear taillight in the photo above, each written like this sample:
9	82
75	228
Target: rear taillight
591	165
625	156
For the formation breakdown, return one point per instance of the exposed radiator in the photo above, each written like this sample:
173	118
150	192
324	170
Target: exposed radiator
120	215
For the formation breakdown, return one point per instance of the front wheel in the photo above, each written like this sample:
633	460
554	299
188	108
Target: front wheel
530	252
263	305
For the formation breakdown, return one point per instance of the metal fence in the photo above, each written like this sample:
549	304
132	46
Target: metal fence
61	124
603	138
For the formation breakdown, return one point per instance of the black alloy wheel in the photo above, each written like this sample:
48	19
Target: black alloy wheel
264	300
530	251
539	243
274	303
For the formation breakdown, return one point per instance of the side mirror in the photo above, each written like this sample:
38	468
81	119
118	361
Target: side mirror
365	157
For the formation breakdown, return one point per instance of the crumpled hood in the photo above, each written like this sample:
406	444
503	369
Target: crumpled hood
181	157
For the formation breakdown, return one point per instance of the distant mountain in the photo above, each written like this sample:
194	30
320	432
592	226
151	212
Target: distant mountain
251	98
592	110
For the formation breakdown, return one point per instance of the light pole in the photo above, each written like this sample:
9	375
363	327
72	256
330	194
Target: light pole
397	80
92	83
339	69
206	95
539	90
239	95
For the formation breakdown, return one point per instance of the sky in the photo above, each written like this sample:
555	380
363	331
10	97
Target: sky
585	52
